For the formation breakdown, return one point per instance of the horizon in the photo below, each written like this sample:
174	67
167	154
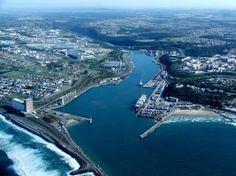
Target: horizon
118	4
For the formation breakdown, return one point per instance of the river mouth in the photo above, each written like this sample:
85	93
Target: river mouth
184	148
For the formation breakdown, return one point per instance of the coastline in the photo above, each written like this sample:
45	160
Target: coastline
51	135
74	150
70	123
194	113
204	111
122	77
189	112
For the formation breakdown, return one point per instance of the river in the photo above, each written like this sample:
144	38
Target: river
182	146
186	147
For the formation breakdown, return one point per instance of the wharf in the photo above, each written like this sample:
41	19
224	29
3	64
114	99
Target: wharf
157	79
150	84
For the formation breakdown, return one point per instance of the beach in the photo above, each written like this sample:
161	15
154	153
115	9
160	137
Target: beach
194	113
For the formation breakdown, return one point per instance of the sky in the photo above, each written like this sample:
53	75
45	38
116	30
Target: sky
224	4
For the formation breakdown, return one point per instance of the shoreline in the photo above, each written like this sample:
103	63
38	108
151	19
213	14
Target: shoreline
61	140
70	123
69	147
194	113
122	77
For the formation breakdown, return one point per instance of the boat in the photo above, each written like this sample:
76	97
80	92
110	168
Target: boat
141	101
140	84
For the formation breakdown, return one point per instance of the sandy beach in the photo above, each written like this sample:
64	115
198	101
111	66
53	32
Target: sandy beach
194	113
71	122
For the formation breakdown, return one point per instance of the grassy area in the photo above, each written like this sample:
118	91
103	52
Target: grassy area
15	74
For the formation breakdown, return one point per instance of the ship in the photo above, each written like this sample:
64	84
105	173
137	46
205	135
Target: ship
141	101
140	84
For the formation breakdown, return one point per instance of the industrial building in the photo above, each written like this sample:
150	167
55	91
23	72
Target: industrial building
113	64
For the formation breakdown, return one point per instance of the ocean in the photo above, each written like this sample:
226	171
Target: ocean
182	146
25	154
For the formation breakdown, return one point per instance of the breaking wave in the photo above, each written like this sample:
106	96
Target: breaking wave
29	160
194	119
26	161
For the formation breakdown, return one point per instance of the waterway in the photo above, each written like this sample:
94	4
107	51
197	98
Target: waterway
183	146
186	147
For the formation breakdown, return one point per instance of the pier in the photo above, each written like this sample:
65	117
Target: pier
64	117
150	130
75	117
157	125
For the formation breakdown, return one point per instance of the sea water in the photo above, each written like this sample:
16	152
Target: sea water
182	146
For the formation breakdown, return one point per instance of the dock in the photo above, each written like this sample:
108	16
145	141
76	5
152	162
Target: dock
150	84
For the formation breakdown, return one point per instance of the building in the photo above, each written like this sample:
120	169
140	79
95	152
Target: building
29	107
74	55
22	105
172	99
18	104
113	64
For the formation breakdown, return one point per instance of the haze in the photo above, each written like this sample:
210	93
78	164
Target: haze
118	3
